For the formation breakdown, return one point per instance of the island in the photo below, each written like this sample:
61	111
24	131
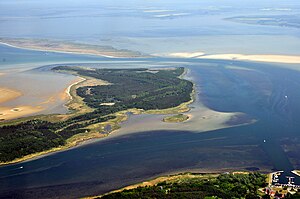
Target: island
176	118
100	101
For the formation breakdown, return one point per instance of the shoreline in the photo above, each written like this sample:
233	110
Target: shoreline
86	138
68	90
175	176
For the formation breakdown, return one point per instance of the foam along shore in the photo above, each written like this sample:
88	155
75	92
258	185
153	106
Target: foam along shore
69	47
288	59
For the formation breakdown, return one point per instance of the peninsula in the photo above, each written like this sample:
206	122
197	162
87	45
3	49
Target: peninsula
99	103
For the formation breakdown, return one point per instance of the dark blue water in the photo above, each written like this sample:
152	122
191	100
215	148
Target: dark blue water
115	162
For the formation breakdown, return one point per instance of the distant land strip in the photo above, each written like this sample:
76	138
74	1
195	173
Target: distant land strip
70	47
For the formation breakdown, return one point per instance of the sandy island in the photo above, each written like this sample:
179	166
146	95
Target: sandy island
186	54
288	59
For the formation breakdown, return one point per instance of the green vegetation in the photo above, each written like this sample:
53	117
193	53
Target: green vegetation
221	186
128	89
176	118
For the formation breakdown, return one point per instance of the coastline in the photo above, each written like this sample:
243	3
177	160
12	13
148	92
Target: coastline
173	178
68	90
159	179
81	139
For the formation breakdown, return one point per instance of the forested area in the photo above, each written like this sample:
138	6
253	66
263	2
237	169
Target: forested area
225	186
129	88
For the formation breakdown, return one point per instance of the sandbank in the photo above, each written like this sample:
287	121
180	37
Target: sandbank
7	94
201	119
182	54
288	59
8	113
